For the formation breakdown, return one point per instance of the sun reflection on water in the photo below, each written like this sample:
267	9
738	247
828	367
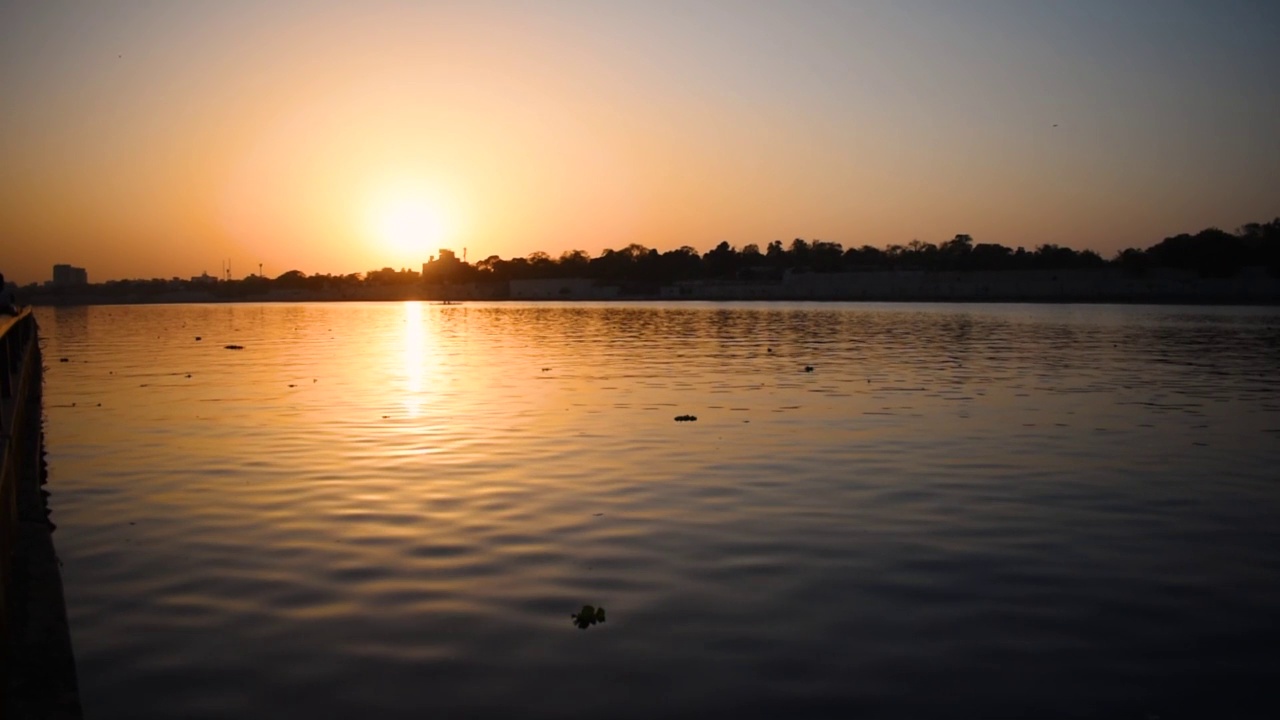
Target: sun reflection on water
415	357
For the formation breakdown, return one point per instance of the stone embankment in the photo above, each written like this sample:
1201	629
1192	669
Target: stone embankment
39	678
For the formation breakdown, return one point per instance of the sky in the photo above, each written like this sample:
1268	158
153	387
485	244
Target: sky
152	138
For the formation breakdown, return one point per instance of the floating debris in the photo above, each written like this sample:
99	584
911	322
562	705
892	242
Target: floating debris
686	418
197	338
64	359
587	617
234	347
808	368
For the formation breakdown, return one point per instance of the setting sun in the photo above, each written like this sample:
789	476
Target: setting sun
409	225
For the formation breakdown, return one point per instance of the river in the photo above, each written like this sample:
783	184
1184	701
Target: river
392	510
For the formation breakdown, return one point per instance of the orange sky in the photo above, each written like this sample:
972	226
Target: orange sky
146	139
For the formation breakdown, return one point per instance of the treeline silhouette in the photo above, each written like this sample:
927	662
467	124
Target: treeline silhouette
1210	252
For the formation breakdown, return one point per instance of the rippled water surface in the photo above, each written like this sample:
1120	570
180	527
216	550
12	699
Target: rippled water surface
392	510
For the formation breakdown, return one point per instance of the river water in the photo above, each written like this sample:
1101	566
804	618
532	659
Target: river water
392	510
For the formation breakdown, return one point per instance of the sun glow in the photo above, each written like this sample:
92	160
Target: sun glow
411	225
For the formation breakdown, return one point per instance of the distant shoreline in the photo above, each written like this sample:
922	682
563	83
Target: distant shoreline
1253	286
106	302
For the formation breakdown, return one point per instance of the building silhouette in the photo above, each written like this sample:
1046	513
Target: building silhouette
69	276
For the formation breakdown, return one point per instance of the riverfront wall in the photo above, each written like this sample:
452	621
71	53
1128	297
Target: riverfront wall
39	678
1104	285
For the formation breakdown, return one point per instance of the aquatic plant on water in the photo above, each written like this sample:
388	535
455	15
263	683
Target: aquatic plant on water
587	617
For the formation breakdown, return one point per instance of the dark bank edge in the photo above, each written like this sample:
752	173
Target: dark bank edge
39	679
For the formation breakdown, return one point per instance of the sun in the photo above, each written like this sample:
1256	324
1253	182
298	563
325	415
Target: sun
410	225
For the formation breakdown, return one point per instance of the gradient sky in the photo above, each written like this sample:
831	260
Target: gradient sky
155	138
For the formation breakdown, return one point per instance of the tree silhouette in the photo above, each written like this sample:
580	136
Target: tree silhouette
639	270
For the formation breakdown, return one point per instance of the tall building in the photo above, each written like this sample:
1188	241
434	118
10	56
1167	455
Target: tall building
69	275
443	267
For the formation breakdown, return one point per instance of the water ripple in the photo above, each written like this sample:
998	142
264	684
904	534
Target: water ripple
393	509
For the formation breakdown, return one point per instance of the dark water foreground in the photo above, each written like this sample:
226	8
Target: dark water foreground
404	510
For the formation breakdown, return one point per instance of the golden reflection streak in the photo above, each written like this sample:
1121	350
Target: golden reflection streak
415	357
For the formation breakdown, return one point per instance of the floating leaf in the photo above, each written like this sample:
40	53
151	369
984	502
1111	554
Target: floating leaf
588	616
